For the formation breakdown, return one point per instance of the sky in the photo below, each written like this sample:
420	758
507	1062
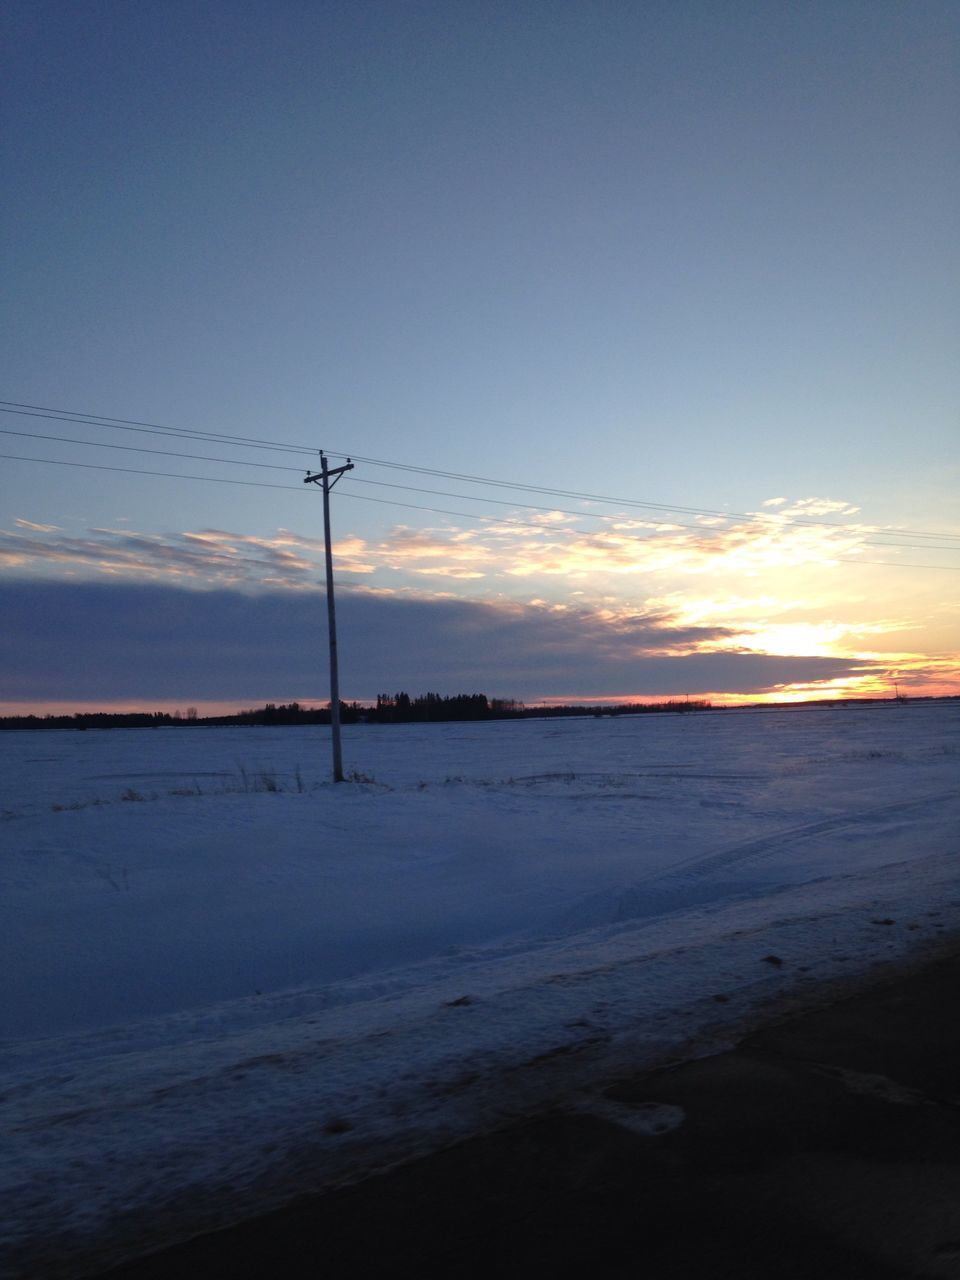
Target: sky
680	278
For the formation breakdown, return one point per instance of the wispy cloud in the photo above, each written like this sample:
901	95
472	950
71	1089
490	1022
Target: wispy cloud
551	545
623	548
205	558
637	589
812	507
37	528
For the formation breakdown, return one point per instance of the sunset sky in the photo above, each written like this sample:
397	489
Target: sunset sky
682	278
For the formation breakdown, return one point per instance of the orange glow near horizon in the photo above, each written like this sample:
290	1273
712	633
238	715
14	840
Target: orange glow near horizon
767	583
854	688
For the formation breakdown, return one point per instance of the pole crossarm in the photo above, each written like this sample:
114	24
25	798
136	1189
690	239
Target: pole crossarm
335	473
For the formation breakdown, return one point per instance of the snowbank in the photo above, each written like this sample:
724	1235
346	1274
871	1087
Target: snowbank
240	983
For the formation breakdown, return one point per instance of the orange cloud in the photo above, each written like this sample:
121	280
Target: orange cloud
755	584
551	545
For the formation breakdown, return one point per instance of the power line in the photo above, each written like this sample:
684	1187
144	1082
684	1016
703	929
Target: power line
133	448
358	497
98	420
385	484
594	515
634	502
141	471
260	484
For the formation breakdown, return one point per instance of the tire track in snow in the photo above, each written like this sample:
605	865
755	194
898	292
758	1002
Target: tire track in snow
704	865
683	885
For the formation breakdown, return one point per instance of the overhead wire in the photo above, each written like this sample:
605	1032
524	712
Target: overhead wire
595	515
98	420
357	497
133	448
142	471
439	493
630	502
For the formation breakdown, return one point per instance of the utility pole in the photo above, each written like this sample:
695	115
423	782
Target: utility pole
328	477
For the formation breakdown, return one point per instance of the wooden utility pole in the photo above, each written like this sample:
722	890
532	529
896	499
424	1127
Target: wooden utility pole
328	477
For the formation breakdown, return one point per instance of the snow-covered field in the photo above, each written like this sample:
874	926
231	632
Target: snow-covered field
227	981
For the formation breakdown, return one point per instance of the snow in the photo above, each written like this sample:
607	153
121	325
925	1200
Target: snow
242	982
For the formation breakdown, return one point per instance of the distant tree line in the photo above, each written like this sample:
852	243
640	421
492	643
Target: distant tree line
394	708
291	713
390	708
99	720
400	707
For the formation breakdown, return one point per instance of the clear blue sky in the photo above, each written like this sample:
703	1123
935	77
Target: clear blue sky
689	252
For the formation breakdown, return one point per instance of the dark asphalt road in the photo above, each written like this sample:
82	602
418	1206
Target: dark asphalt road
827	1146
